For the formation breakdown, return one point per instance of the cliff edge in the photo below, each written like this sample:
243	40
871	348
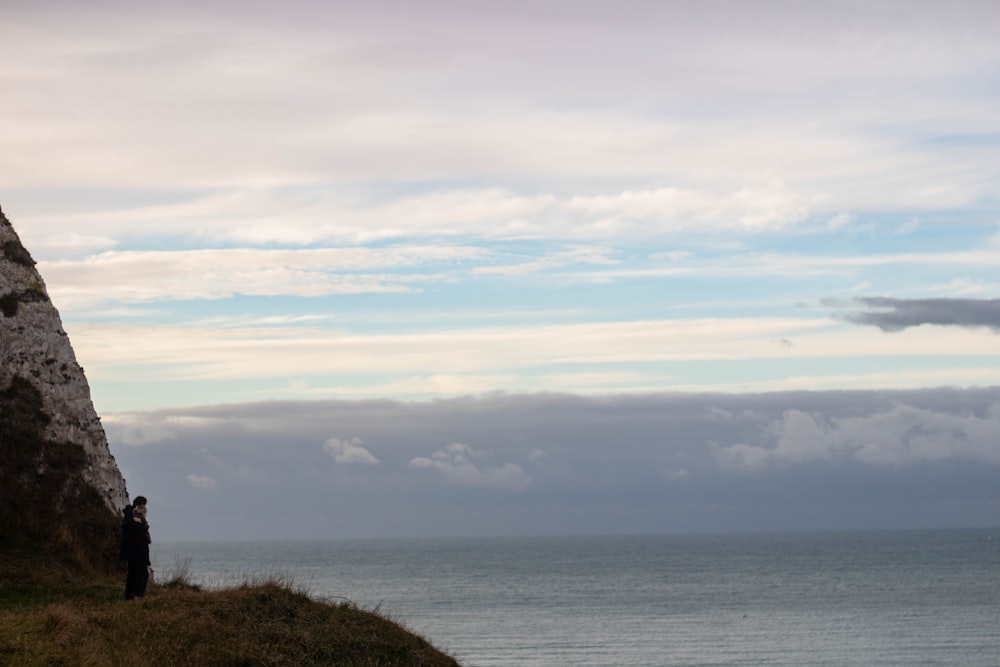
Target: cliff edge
60	487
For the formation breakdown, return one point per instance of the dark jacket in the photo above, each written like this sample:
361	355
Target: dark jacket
135	541
125	522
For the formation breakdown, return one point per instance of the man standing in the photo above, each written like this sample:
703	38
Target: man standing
135	548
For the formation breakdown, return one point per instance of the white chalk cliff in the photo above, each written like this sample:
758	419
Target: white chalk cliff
34	346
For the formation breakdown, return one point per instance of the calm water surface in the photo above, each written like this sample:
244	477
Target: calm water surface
896	598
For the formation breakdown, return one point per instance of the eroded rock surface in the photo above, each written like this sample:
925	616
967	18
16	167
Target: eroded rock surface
34	346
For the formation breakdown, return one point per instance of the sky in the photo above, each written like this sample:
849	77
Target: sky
474	268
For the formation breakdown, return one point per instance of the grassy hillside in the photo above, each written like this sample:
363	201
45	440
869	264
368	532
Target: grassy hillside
50	615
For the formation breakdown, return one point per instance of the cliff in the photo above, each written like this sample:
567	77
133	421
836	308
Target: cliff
59	484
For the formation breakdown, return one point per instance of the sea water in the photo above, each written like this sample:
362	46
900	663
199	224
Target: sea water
894	598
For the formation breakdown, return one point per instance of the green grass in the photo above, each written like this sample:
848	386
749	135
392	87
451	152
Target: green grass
51	616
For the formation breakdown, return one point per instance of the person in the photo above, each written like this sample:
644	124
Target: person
126	520
135	548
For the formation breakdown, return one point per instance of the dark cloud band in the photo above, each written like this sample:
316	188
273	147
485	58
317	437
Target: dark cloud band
897	314
560	463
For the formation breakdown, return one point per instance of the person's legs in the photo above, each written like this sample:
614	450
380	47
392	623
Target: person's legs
142	578
132	579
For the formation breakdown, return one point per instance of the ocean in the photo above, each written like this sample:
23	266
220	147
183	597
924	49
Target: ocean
871	598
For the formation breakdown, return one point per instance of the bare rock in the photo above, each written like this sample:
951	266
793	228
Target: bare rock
34	346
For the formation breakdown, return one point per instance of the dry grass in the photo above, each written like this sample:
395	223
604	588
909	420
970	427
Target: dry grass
257	624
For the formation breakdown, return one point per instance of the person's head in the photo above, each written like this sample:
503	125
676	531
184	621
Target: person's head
139	513
140	501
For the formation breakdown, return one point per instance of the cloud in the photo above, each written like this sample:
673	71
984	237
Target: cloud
135	434
311	196
131	430
247	217
806	265
349	451
898	436
672	256
840	220
455	462
579	255
201	482
538	456
897	314
494	98
586	356
149	276
637	463
965	287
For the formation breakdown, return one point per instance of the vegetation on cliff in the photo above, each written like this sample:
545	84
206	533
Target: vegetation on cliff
52	615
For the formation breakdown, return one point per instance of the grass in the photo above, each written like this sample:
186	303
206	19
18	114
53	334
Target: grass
51	616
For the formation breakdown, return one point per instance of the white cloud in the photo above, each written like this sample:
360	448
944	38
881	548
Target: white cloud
740	456
965	287
456	463
672	256
122	431
201	481
150	276
538	455
254	215
196	352
579	255
902	435
804	94
560	357
840	220
142	276
338	108
752	207
490	150
349	451
908	227
805	265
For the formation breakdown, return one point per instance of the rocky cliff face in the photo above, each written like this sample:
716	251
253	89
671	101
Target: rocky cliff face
45	404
